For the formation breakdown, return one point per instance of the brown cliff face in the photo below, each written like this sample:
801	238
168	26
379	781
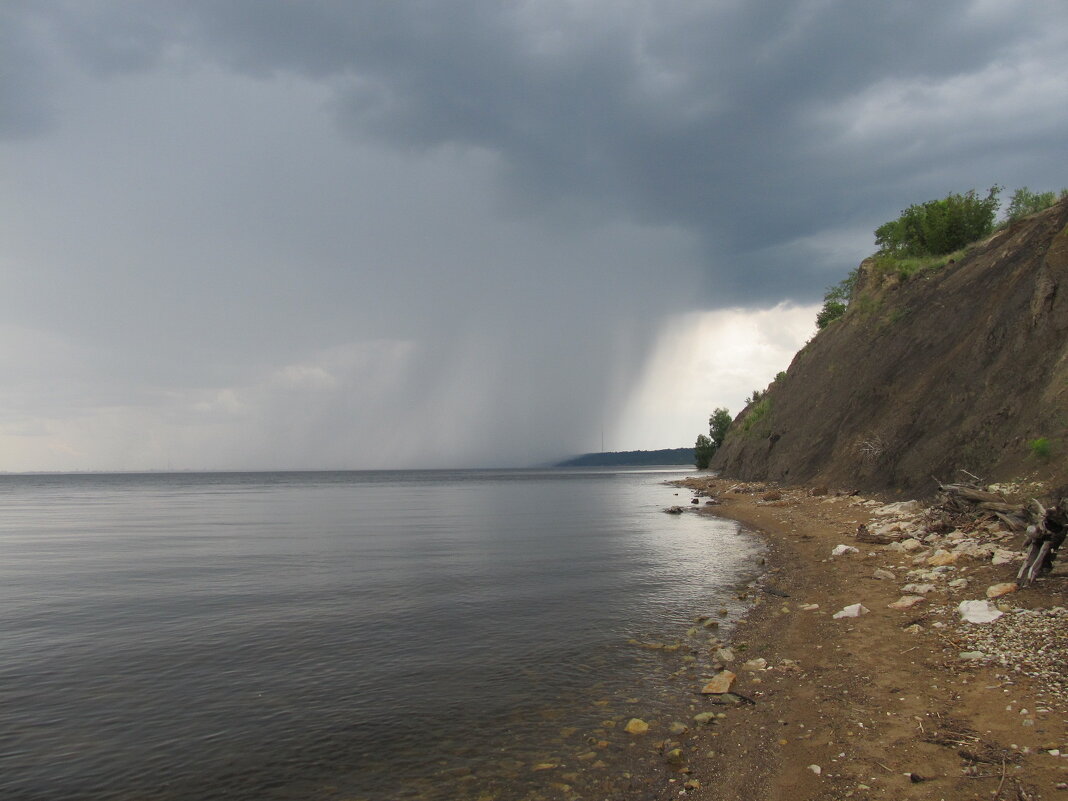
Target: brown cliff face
956	368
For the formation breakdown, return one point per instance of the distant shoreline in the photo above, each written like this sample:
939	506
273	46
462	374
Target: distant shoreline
674	457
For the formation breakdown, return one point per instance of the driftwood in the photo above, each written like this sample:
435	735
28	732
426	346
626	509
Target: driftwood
970	499
1046	528
865	535
1045	536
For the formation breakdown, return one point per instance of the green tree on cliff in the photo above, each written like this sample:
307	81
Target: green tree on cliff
703	452
707	446
718	424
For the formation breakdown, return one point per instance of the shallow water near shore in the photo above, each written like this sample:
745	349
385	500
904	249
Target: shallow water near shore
353	634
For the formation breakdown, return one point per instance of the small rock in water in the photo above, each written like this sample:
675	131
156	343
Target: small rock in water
705	718
720	684
677	728
636	726
675	756
724	655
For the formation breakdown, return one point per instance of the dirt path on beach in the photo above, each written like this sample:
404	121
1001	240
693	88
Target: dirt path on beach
882	705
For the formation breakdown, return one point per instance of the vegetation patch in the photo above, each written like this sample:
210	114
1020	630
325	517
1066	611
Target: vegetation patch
756	414
1040	448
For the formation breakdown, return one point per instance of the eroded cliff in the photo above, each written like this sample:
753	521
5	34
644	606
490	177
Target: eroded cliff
960	368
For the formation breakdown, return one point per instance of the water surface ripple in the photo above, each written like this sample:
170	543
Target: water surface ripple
286	635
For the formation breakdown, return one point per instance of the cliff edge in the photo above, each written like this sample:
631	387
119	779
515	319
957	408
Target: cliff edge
964	367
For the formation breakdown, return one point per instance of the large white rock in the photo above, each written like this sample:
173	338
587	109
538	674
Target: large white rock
978	612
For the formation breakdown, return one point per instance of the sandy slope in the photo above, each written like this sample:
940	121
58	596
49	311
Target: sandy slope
884	712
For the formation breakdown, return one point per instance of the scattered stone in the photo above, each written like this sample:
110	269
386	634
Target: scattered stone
705	718
899	509
816	769
675	757
677	728
972	656
840	550
853	610
817	491
959	584
720	684
907	602
997	590
674	510
941	558
1003	557
724	655
883	574
545	766
809	607
918	589
636	726
978	612
756	664
911	544
774	495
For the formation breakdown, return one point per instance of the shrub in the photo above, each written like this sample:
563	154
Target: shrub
1024	202
938	227
702	452
836	299
1040	448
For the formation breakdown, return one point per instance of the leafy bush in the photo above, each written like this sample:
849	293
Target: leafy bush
836	300
1040	448
702	452
718	424
1024	202
938	227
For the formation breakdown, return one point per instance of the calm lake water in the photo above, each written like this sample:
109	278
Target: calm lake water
341	635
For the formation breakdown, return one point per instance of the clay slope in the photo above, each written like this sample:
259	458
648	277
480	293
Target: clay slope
956	368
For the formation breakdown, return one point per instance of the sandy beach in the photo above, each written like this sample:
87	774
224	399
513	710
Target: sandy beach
898	703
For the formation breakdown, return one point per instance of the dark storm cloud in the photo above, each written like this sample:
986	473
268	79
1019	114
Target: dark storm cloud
701	115
264	233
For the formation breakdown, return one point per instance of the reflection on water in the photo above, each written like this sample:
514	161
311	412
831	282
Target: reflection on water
435	634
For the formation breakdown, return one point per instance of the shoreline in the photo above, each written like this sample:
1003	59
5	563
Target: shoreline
882	705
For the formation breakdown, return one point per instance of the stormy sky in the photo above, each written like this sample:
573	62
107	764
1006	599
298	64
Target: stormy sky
263	234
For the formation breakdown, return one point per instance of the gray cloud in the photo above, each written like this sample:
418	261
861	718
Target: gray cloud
204	195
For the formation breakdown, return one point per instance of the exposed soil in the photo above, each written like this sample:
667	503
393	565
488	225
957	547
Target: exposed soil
961	367
885	711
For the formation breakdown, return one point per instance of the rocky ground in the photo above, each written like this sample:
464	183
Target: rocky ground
906	700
